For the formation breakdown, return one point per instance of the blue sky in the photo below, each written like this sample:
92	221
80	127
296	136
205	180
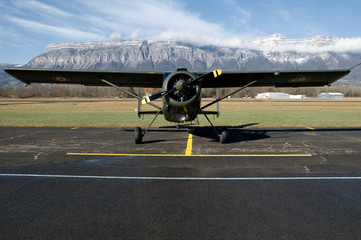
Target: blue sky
27	26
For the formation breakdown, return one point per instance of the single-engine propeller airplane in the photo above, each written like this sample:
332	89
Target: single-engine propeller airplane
181	90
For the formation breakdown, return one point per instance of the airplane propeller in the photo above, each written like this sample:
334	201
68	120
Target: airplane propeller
181	86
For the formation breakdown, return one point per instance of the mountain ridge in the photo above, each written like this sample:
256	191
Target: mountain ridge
270	53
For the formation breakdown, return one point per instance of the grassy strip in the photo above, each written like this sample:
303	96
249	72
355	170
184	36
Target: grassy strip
121	113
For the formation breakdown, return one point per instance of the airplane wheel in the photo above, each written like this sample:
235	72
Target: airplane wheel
138	135
224	136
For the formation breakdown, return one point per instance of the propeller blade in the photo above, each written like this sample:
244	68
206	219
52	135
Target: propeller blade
156	96
207	76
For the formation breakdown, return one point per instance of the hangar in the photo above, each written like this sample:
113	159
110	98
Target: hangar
278	95
330	96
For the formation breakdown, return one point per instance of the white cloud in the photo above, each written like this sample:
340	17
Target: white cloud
318	44
40	8
348	45
155	19
150	19
240	15
152	16
53	30
135	33
199	39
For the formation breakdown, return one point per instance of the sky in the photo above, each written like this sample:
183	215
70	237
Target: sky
27	26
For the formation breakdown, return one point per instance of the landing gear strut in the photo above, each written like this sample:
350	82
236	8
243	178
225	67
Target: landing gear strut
138	134
223	137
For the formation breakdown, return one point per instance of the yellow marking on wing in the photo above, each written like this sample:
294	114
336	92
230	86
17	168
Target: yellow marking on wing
311	128
216	73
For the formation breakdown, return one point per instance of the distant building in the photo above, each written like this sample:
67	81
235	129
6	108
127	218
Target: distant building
298	96
278	95
273	95
330	96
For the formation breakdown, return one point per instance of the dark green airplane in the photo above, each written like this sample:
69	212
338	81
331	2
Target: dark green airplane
181	93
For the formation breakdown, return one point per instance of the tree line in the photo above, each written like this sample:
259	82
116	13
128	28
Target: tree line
68	91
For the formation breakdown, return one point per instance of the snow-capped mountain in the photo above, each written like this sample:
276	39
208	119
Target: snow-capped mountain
270	53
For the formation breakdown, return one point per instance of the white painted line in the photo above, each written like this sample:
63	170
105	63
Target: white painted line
180	178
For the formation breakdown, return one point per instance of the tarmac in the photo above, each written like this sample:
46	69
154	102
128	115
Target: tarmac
96	183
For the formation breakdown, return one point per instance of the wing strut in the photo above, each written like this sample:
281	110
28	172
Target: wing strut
355	66
127	92
220	99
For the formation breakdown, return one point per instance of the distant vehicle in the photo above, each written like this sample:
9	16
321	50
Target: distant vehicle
181	90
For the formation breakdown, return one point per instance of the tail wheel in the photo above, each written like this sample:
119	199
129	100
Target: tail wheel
138	135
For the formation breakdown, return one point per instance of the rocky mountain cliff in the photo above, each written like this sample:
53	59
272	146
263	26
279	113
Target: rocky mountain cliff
271	53
6	79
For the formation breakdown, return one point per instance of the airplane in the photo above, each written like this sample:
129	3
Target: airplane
181	89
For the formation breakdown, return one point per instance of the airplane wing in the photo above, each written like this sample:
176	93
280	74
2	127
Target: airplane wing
155	79
276	79
87	77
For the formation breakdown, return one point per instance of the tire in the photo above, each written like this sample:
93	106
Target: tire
224	137
138	135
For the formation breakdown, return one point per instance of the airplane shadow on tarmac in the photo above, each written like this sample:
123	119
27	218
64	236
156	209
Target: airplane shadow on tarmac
235	133
239	134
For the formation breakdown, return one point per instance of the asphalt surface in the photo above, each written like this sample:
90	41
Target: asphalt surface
91	183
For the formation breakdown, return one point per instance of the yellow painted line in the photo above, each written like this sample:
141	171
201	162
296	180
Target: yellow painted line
189	145
311	128
127	154
184	155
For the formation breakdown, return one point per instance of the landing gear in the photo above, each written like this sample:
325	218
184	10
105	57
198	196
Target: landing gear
224	133
138	135
224	136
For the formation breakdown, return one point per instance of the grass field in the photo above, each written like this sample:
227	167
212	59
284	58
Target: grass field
235	112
